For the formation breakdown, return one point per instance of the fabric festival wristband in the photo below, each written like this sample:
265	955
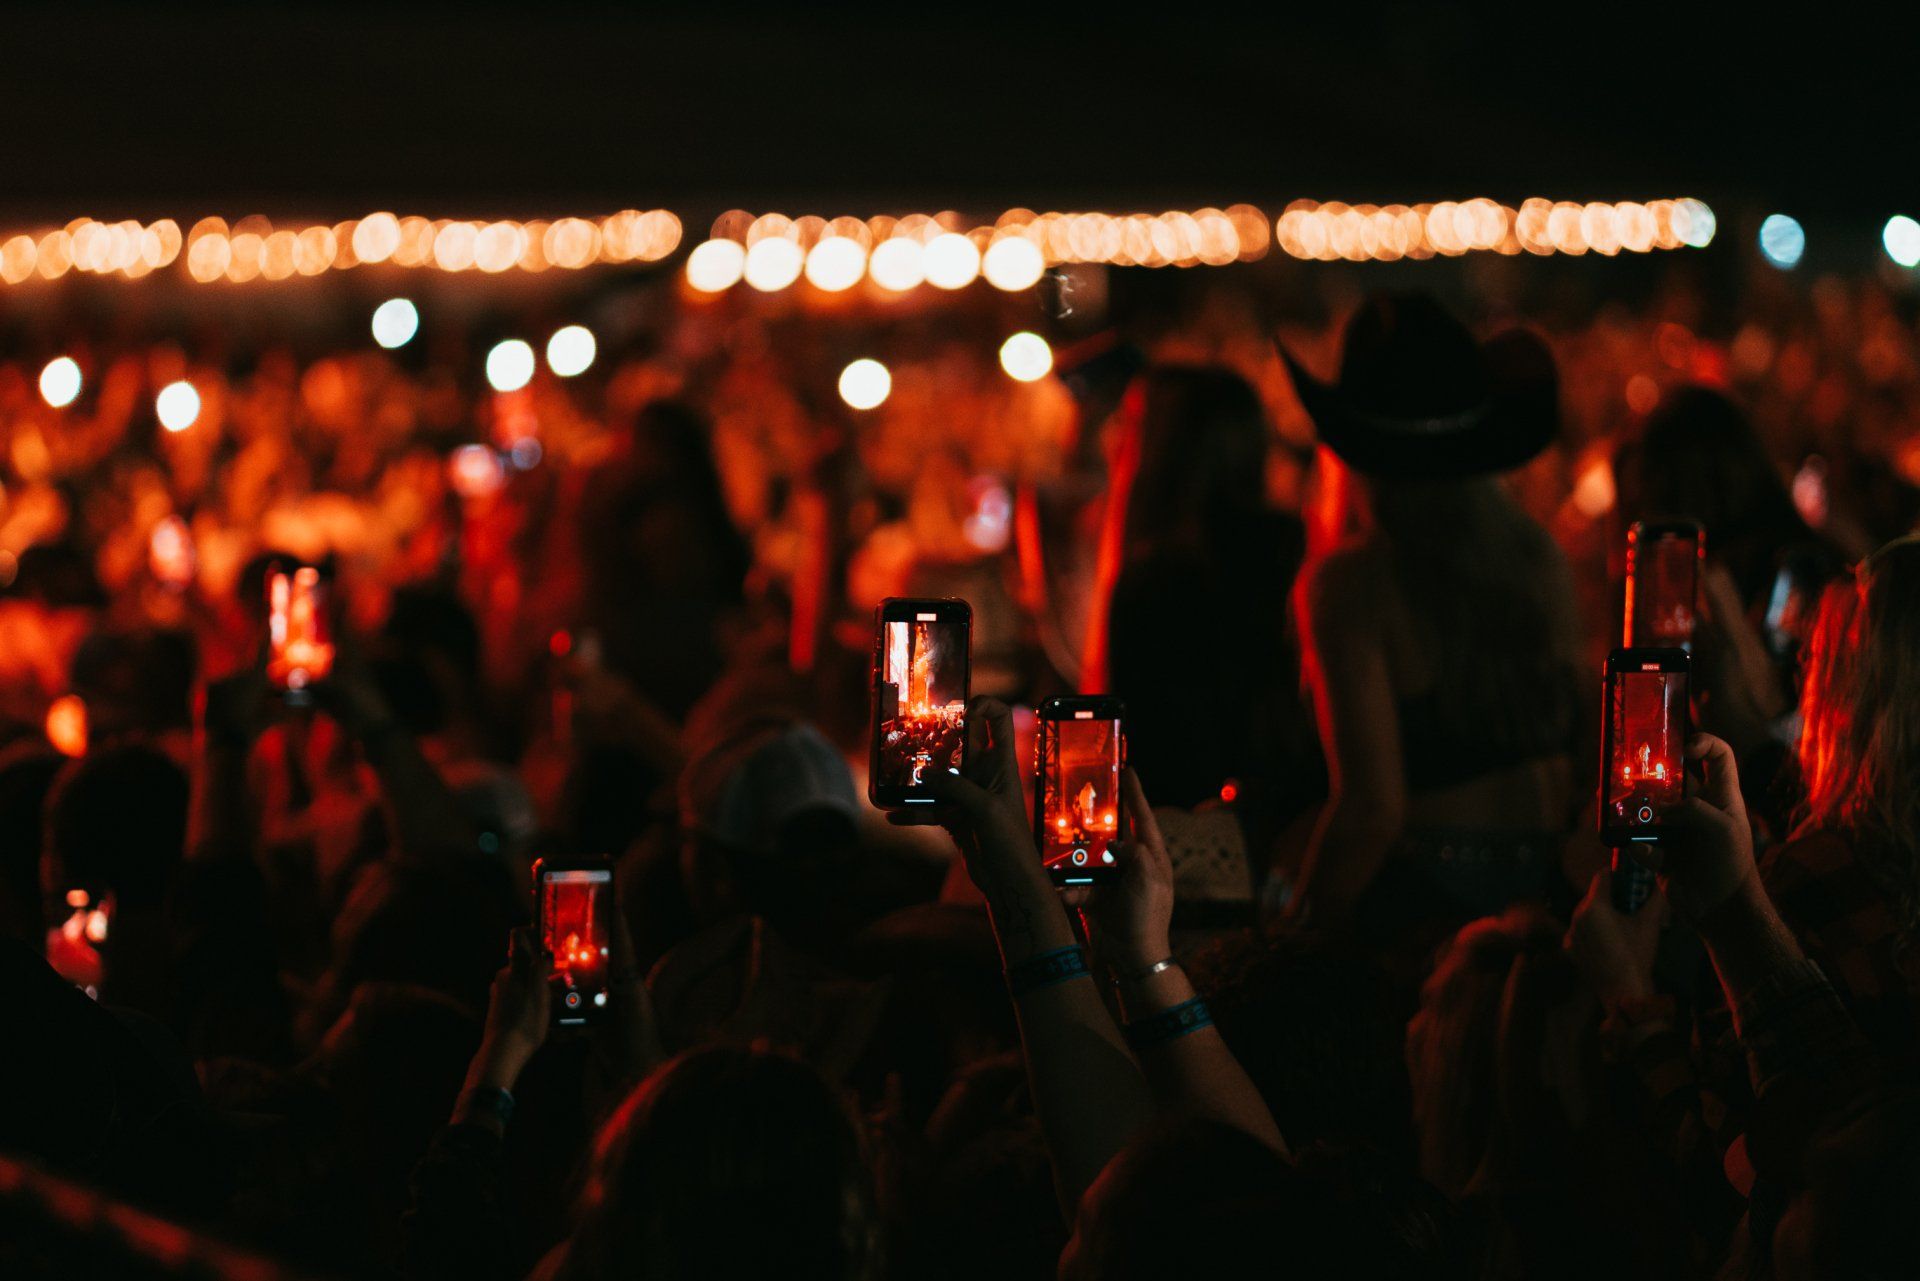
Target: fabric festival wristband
1047	969
1169	1025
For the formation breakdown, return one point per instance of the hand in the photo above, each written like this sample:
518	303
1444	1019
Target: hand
1132	917
349	694
983	809
629	1038
518	1010
1612	950
235	710
1709	858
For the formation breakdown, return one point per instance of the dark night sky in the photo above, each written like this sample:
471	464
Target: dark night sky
328	110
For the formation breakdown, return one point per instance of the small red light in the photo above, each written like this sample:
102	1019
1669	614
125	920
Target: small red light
1229	791
560	644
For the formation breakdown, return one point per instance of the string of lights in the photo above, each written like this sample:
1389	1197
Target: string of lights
255	249
771	252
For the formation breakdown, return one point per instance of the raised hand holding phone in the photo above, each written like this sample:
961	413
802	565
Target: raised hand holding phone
1644	727
1706	859
921	683
1131	915
300	648
517	1021
1078	755
575	905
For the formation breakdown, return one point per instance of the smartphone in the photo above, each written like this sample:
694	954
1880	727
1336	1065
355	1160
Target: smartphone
1663	582
300	649
921	681
575	903
1078	754
1793	604
1642	759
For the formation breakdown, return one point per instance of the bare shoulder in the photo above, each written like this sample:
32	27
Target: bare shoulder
1346	586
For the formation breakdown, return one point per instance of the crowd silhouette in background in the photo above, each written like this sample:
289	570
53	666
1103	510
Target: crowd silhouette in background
1354	586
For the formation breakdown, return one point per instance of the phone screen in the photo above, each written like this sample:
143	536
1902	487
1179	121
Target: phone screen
1646	736
576	907
299	633
1663	565
1078	824
920	697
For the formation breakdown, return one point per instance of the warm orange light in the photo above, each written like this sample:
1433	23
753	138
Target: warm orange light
177	406
865	384
1012	263
773	264
453	246
376	238
896	264
951	261
836	263
170	555
66	725
716	265
60	382
1026	357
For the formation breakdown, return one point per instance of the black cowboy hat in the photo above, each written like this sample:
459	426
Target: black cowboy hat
1417	396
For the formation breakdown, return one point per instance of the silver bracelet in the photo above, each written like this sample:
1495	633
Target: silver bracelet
1156	968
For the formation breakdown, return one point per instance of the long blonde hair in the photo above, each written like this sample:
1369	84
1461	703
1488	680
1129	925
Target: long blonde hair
1860	733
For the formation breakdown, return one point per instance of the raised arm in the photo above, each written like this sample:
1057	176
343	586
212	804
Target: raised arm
1786	1012
221	822
1187	1063
1352	693
428	822
1087	1089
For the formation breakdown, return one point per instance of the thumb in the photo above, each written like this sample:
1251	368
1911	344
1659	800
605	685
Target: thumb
957	790
525	955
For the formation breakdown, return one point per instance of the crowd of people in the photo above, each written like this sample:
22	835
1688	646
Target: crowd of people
1360	1002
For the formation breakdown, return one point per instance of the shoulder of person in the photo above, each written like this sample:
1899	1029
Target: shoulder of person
1347	579
1810	854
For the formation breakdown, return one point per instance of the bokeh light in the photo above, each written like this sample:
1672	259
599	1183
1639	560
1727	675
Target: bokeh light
1901	236
395	322
1014	263
836	263
1026	357
865	384
571	350
60	382
1782	240
474	471
952	261
716	265
178	405
509	365
774	263
897	264
66	725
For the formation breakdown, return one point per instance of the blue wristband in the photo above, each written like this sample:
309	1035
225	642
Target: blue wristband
1169	1025
1047	969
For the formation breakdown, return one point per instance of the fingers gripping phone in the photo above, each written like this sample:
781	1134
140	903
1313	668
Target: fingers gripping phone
300	648
1077	811
921	679
1663	582
575	906
1643	757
